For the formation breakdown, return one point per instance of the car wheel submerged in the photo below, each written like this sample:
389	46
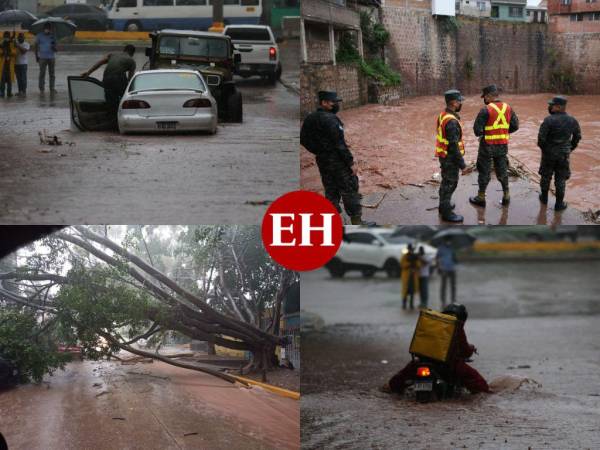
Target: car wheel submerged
392	268
235	107
336	268
368	273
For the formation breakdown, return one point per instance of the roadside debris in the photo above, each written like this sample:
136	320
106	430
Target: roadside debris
48	140
194	433
118	418
148	375
257	202
592	216
101	393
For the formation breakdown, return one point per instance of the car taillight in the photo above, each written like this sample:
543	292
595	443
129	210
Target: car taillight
197	103
272	53
423	372
135	104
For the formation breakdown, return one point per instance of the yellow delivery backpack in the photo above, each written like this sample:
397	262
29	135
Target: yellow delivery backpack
435	336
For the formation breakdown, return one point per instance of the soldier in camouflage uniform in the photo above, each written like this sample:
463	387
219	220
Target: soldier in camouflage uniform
450	148
558	136
493	125
322	134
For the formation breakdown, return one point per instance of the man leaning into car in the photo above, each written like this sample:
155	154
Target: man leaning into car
120	67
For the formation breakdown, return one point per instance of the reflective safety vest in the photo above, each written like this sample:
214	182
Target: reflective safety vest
441	143
496	128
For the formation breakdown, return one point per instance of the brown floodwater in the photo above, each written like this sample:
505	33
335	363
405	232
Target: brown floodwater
393	145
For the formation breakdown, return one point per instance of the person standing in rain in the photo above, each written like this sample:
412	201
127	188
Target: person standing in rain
21	65
558	136
45	55
446	262
120	67
449	149
424	272
493	125
322	134
8	54
410	264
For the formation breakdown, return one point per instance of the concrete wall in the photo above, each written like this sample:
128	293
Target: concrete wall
346	80
563	24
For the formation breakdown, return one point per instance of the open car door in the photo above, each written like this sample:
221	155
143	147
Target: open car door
89	111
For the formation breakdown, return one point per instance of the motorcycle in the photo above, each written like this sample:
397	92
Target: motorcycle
434	381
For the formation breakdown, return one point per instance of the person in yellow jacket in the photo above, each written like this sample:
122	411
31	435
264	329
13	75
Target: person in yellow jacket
8	58
410	265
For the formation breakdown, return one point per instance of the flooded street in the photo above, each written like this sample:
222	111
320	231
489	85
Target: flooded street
534	325
397	150
103	177
105	405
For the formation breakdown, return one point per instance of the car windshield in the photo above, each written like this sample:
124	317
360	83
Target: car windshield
397	239
248	34
166	81
193	46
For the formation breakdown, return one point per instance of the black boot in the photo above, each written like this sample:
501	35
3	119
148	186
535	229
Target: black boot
357	220
478	200
449	216
544	197
403	303
505	199
560	204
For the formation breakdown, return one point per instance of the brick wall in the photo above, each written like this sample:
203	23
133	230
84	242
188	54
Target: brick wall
346	80
580	52
563	24
317	43
432	57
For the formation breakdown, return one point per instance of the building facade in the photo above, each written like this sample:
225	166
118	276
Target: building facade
538	13
510	10
574	16
474	8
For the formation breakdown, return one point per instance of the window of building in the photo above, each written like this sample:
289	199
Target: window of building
590	1
528	13
565	2
515	11
576	17
481	6
495	12
597	16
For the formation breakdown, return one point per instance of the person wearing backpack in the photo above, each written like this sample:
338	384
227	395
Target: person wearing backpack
322	134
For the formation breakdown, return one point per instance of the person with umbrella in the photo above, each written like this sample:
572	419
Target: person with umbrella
45	55
21	65
410	265
8	55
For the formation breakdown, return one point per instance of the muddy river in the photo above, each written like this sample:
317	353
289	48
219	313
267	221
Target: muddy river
394	144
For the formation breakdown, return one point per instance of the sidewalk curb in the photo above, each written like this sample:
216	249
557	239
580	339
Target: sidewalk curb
289	85
277	390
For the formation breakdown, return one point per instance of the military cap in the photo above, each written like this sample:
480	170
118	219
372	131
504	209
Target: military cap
558	100
329	95
491	89
453	94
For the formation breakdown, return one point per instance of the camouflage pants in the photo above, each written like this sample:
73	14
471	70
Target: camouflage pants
498	155
340	183
449	170
559	167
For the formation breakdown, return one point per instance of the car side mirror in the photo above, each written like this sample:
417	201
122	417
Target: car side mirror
148	52
376	242
237	58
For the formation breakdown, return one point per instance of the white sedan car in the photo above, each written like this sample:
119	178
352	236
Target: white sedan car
372	249
167	100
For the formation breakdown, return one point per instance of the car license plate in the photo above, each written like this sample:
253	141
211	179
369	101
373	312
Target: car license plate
423	386
166	125
244	67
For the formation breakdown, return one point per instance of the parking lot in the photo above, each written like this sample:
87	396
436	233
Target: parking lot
103	176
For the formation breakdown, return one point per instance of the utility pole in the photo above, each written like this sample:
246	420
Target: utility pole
218	21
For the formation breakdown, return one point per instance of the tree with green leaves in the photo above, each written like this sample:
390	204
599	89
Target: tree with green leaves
107	288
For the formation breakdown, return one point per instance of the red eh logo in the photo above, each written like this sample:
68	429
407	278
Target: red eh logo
302	230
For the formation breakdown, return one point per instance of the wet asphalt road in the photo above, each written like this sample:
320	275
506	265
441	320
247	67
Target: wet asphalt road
541	316
102	177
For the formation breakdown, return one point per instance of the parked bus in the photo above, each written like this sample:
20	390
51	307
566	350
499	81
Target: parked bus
141	15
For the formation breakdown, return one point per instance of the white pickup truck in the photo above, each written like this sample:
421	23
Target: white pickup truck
258	50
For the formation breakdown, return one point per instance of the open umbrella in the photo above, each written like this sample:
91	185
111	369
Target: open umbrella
423	232
17	16
60	27
458	237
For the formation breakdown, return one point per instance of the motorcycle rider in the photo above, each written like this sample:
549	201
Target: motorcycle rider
460	370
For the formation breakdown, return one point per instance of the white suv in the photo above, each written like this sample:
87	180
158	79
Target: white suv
371	249
258	50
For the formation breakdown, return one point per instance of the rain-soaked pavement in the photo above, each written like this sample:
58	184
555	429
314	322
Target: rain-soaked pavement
102	177
105	405
531	322
397	153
